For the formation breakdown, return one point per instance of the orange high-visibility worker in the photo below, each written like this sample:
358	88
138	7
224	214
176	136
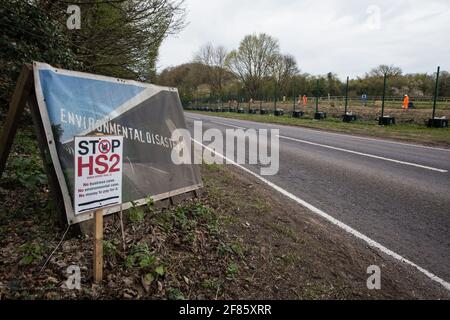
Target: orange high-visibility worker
305	100
406	102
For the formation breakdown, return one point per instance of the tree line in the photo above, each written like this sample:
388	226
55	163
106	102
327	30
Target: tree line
258	70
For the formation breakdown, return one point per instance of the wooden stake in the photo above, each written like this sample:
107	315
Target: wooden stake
98	246
18	101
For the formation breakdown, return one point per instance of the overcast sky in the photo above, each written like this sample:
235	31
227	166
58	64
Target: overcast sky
348	37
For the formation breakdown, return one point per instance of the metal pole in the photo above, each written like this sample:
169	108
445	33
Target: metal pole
317	96
275	99
293	96
346	97
384	95
436	92
260	103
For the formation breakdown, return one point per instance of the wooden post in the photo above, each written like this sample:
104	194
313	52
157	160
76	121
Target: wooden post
98	246
16	107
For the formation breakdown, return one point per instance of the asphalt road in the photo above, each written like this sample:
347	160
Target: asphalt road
398	194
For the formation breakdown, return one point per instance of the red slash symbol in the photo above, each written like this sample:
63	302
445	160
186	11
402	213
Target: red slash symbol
104	146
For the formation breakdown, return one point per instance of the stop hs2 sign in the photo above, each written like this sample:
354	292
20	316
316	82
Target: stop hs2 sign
98	172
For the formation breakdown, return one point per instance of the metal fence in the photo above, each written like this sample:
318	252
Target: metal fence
432	111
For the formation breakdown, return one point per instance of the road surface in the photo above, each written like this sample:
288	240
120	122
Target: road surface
397	194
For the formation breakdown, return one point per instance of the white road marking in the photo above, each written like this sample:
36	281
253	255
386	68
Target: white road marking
221	123
226	124
370	139
365	154
153	168
193	118
336	222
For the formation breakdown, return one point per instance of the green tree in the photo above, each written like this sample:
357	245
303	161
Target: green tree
28	33
117	37
120	37
253	61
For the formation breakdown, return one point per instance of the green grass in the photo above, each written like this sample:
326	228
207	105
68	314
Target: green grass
405	132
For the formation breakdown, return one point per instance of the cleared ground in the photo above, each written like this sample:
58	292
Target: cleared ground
336	108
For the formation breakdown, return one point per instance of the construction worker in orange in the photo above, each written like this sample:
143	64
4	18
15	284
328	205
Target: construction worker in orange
406	102
305	100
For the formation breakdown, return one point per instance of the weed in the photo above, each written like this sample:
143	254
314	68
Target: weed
136	214
150	203
27	172
149	278
109	248
175	294
234	249
181	219
213	283
191	237
232	270
31	252
165	221
214	227
160	271
224	250
238	249
140	257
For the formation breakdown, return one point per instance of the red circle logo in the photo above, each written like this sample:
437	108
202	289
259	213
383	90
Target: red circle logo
104	146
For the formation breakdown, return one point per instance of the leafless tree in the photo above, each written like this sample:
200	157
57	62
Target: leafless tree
383	69
214	58
284	68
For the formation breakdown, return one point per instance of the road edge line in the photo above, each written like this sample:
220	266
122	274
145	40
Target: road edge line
345	227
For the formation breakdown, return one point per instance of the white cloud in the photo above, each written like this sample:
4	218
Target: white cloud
324	35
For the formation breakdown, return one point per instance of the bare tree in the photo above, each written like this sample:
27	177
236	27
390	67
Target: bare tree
214	58
383	69
284	68
252	62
